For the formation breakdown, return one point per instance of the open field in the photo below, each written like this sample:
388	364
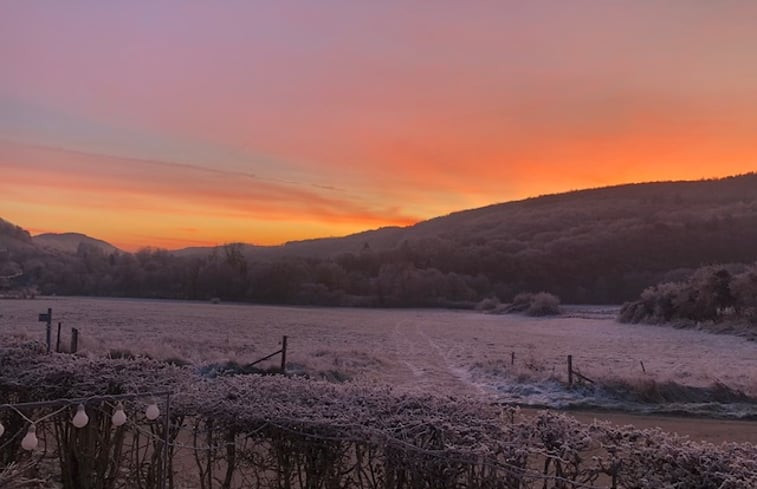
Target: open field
454	352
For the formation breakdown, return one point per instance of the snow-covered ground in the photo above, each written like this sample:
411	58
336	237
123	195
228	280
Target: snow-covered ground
447	352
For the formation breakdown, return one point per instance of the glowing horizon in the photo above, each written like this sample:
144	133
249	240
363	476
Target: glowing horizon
187	123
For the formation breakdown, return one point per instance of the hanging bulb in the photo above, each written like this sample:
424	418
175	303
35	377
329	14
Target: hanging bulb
153	411
30	439
119	417
2	429
80	418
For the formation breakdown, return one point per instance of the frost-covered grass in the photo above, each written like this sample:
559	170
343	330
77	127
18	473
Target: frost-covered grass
455	352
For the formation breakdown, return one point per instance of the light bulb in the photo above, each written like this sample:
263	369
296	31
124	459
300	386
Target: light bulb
119	417
30	439
152	412
80	418
2	429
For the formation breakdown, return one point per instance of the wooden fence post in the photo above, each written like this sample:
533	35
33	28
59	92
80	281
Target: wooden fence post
570	371
512	358
57	341
74	340
283	354
48	319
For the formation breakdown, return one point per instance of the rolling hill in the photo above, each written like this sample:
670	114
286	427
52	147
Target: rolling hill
70	242
590	246
678	212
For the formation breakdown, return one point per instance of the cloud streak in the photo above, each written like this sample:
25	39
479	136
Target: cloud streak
275	122
116	186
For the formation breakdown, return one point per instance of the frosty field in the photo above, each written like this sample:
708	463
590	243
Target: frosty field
446	352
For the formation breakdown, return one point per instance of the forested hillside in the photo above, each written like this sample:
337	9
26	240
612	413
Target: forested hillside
594	246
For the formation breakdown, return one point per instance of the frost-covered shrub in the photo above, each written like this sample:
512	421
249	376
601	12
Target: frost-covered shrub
522	302
279	432
540	304
544	304
488	304
711	295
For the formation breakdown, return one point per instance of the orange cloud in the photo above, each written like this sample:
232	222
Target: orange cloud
176	198
410	115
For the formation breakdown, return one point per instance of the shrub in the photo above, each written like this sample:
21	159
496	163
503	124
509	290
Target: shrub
711	295
299	433
523	300
544	304
633	312
541	304
488	304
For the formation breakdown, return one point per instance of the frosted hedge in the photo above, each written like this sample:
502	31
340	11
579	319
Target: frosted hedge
257	431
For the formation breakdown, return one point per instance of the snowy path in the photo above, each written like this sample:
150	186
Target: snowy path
428	363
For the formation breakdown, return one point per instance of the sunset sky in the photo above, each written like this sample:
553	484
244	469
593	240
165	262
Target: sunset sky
196	123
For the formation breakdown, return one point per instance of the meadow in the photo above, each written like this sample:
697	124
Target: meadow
501	357
412	399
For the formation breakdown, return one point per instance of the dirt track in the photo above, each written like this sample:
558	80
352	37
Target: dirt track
699	429
431	368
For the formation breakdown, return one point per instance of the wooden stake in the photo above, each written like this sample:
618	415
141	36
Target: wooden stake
57	341
74	340
48	319
283	354
512	358
570	371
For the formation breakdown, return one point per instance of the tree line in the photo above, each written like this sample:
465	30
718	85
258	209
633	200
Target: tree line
412	275
602	246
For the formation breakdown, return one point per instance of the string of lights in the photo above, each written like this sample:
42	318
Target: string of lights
152	413
81	418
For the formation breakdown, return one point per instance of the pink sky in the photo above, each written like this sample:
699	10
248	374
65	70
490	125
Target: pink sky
176	123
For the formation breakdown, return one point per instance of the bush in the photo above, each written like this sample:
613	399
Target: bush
544	304
303	433
523	300
714	296
541	304
633	312
488	304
